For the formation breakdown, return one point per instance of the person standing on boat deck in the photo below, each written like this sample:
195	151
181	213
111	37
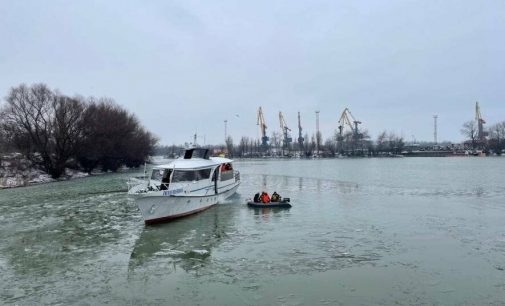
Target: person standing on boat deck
265	198
275	197
165	180
257	197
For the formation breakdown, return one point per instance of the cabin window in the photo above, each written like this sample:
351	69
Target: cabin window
226	172
196	153
157	174
190	175
204	174
183	176
226	167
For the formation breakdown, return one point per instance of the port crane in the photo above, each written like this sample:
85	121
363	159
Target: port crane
263	127
300	138
481	134
284	128
345	119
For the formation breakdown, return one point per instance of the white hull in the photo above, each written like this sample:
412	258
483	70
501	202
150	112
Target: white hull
157	207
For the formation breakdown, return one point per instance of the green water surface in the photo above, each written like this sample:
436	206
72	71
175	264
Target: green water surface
408	231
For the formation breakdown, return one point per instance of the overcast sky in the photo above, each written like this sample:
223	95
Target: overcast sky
186	66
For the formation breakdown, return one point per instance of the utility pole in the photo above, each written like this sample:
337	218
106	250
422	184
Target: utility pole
317	132
435	117
225	130
300	137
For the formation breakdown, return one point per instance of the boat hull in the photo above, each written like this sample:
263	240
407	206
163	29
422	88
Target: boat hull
159	208
283	204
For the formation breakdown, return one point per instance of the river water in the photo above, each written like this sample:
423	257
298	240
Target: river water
361	231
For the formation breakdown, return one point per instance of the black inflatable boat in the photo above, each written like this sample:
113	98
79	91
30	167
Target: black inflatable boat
282	204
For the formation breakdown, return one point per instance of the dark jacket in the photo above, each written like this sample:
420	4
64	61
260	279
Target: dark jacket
275	197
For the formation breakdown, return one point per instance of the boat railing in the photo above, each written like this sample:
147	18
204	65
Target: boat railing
137	185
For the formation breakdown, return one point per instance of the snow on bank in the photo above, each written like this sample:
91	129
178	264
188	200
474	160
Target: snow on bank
16	171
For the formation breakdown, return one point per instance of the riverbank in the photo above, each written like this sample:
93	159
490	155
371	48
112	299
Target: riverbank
17	171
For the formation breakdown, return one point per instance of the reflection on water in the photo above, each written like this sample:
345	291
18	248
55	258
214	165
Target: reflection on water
186	243
266	212
288	184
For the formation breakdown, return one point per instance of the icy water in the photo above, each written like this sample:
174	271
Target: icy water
408	231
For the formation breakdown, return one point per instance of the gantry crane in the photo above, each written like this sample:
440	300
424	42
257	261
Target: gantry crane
480	124
300	138
263	127
286	139
345	119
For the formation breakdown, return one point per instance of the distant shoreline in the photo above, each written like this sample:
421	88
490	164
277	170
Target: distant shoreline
24	174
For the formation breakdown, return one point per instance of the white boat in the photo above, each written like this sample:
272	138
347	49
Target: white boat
185	186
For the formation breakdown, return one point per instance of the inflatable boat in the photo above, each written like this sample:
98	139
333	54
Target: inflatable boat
284	203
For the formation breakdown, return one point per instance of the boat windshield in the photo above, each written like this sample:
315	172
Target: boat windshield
196	153
157	174
190	175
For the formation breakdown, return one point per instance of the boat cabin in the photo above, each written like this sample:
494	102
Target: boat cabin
196	153
195	172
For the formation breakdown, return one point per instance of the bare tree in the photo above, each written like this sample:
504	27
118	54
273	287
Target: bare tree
363	142
42	125
307	150
381	142
470	131
311	148
67	129
5	144
497	137
229	146
26	119
112	137
243	146
276	140
395	143
56	131
387	142
348	143
331	145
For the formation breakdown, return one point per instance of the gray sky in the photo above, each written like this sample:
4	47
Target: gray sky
186	66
